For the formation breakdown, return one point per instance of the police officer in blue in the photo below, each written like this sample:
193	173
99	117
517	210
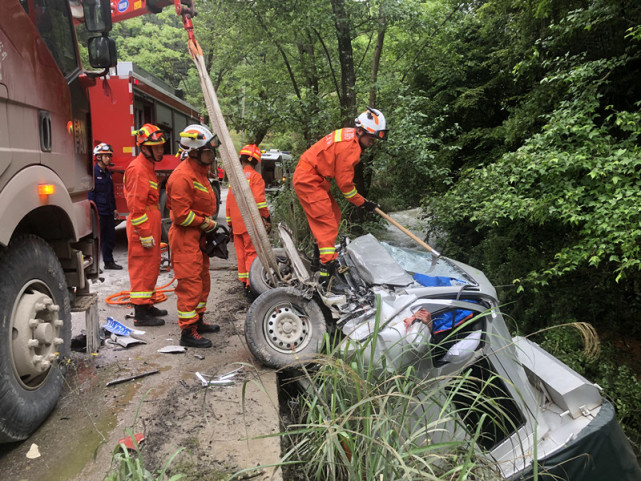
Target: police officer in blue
103	196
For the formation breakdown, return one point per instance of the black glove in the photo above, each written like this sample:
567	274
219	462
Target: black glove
369	206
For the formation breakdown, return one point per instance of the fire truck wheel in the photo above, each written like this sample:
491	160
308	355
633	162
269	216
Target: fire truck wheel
35	333
284	329
165	221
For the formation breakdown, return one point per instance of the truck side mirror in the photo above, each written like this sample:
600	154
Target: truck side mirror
97	15
102	52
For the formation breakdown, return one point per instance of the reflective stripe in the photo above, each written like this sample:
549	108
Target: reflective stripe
139	220
147	239
324	274
243	275
140	295
261	205
201	305
327	250
338	135
350	194
189	219
200	186
228	219
186	314
153	185
215	225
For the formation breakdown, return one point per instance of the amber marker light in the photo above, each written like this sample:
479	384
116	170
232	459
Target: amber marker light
46	189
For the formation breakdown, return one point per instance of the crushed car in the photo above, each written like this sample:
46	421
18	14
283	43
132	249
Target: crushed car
442	318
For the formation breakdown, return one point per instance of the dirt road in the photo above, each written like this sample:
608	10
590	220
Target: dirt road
215	428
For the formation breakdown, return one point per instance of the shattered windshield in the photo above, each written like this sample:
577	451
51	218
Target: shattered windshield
420	262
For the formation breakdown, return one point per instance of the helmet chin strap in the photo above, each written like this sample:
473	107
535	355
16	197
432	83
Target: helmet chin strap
151	156
199	159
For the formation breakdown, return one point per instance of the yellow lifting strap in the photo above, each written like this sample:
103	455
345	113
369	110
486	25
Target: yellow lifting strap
242	192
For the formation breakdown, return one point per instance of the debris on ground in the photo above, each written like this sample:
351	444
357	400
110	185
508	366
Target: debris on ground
128	442
172	349
126	341
223	380
131	378
33	452
120	329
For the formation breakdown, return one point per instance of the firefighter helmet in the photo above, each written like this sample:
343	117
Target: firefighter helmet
373	122
149	134
197	137
102	148
251	150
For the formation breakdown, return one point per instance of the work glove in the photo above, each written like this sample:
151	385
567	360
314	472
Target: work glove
148	242
208	225
231	233
369	206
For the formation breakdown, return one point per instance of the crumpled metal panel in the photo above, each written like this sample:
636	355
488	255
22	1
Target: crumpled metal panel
375	264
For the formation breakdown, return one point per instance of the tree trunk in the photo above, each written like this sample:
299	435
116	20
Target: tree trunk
378	50
346	57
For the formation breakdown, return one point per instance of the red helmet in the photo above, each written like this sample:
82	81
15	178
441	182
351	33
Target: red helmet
149	134
251	150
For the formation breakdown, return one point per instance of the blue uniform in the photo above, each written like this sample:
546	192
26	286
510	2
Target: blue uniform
103	196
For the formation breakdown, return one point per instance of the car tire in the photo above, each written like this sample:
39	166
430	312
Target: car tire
284	329
259	281
35	332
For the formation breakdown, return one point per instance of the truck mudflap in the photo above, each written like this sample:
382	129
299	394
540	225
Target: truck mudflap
600	451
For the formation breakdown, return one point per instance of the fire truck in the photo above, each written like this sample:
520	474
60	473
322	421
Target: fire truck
49	246
135	97
48	234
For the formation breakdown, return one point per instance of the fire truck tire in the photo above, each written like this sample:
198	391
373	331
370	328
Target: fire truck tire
284	329
35	335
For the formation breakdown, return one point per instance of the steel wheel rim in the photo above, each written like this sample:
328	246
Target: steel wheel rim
36	333
287	329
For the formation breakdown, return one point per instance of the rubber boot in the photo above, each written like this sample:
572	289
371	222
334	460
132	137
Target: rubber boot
325	274
154	311
143	318
315	264
191	338
202	327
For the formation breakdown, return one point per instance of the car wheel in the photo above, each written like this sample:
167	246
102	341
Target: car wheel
283	328
259	281
35	330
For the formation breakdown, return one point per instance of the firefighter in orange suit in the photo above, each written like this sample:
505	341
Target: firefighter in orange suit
334	157
245	252
143	224
192	203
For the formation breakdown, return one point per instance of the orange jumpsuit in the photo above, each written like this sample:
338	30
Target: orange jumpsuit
245	252
332	157
190	199
143	221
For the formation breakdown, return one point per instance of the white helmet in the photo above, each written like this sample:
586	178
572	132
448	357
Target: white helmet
197	137
373	122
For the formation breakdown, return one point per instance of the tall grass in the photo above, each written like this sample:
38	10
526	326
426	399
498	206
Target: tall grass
360	421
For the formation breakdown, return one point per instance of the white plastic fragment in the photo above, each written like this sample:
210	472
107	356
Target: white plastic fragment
33	452
172	349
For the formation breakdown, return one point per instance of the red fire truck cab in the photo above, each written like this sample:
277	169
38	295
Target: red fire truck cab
128	98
